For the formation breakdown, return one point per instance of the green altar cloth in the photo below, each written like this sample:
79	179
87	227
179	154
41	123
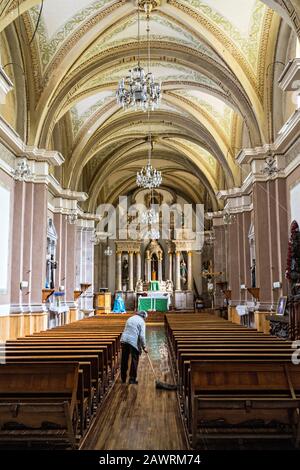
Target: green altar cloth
154	285
148	303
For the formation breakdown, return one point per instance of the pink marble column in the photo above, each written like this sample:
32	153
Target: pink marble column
246	252
70	261
282	232
17	245
233	270
39	245
262	242
240	255
28	248
60	223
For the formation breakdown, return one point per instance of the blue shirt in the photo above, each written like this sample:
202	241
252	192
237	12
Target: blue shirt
135	332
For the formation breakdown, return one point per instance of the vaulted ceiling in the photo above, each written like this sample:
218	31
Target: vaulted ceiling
211	55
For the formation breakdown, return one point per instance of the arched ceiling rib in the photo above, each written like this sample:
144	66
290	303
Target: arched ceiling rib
211	56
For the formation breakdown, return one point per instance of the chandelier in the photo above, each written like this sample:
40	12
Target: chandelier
140	90
148	177
150	216
153	234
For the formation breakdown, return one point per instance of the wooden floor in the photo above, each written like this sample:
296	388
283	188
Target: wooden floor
139	417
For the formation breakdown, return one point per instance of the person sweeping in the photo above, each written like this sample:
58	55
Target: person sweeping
133	342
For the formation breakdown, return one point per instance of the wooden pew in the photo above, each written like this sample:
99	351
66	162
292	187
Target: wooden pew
249	402
38	405
215	341
94	346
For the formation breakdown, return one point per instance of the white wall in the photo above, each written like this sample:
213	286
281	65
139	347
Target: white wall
295	203
5	208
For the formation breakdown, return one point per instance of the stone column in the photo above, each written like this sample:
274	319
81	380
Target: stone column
170	277
39	244
130	268
119	270
138	266
28	249
159	266
177	285
17	247
148	260
70	270
190	271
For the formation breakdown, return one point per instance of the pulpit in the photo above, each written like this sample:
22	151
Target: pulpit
102	302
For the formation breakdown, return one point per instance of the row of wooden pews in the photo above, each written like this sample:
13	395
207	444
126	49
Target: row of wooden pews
52	383
238	387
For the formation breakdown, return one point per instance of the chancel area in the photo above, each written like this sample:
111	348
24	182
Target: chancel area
150	208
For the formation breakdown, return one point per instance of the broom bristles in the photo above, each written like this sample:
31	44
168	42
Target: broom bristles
165	386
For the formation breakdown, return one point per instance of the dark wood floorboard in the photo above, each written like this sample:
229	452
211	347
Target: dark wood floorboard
140	417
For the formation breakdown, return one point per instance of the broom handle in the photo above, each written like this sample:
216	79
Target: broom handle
151	365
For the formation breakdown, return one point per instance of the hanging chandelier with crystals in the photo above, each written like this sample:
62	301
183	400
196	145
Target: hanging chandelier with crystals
153	234
148	177
150	216
139	90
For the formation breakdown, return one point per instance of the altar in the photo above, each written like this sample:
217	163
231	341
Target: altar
156	298
154	301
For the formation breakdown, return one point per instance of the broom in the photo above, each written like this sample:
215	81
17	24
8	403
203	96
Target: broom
160	385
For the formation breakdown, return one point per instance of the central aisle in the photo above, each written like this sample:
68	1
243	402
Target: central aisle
139	417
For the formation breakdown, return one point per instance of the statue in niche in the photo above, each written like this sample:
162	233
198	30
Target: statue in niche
169	286
125	270
139	286
253	273
52	265
183	272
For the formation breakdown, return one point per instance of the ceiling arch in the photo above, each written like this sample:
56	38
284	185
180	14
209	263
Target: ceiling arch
211	55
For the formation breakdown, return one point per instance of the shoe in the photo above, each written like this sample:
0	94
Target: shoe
133	381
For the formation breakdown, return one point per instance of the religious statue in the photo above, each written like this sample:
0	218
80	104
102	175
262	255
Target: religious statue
139	286
169	286
119	304
125	270
253	273
52	265
183	271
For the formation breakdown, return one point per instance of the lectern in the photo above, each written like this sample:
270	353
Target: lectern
102	302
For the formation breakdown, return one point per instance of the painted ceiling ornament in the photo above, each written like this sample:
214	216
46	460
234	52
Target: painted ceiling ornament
140	90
